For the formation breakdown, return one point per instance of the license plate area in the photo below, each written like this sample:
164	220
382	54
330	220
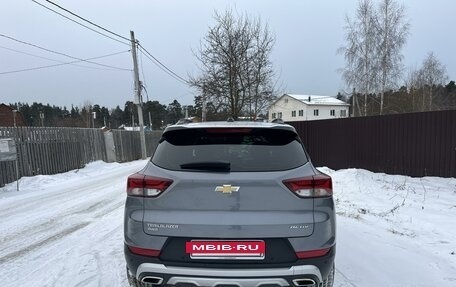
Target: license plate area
226	249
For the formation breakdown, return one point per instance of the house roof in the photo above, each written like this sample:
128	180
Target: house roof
318	100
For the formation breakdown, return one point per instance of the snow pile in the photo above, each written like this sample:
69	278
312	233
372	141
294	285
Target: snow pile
43	182
395	230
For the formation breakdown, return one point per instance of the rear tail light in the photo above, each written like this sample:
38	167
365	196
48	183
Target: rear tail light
144	251
312	253
146	186
312	186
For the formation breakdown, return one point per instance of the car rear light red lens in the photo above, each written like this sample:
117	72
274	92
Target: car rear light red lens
146	186
311	186
312	253
144	251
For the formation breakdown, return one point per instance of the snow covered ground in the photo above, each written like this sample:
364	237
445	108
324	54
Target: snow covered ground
394	230
66	229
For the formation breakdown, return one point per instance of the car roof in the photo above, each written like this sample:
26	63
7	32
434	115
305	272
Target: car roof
232	124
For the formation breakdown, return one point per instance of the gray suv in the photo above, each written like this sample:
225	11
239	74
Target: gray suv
230	204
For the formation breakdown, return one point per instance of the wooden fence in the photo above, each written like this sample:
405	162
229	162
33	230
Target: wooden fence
50	150
128	146
55	150
415	144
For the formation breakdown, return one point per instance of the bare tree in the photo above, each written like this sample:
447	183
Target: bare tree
412	84
236	71
431	74
392	31
360	71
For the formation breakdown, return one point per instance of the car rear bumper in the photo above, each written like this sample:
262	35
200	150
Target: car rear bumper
211	277
315	270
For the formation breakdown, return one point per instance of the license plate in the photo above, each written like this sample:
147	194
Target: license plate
226	249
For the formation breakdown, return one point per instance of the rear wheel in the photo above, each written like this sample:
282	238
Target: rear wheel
132	280
329	281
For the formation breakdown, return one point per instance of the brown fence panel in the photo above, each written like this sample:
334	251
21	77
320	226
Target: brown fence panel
415	144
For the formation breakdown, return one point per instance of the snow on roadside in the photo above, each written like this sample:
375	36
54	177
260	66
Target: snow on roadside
401	228
42	182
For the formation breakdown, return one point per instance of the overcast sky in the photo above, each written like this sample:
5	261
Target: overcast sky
308	33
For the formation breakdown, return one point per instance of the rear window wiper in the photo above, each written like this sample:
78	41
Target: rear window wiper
209	166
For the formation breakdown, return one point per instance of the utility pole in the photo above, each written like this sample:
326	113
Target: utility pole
14	117
138	101
204	111
94	116
42	119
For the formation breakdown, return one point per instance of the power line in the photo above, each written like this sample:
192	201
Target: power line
162	66
90	22
85	26
49	59
62	54
143	50
61	64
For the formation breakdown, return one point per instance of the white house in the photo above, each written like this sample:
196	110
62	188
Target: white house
292	108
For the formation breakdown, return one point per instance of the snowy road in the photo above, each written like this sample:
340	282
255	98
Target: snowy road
66	229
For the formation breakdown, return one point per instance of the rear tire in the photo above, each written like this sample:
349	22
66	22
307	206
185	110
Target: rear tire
132	280
329	281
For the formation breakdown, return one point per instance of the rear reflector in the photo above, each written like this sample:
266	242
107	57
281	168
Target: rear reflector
311	186
312	253
144	251
146	186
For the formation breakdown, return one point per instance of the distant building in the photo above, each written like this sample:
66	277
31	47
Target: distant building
8	116
293	108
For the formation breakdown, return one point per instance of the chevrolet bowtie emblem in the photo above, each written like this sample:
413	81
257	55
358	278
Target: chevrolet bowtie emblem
227	188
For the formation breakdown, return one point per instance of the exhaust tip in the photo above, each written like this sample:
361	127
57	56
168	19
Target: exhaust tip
304	282
151	280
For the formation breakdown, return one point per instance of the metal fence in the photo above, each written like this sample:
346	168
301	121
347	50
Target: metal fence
415	144
55	150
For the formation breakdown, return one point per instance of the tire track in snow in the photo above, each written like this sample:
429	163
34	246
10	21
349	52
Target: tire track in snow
39	221
96	210
49	224
41	243
21	235
67	235
59	197
105	234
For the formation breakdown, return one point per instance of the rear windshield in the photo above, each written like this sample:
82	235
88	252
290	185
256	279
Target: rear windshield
228	149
